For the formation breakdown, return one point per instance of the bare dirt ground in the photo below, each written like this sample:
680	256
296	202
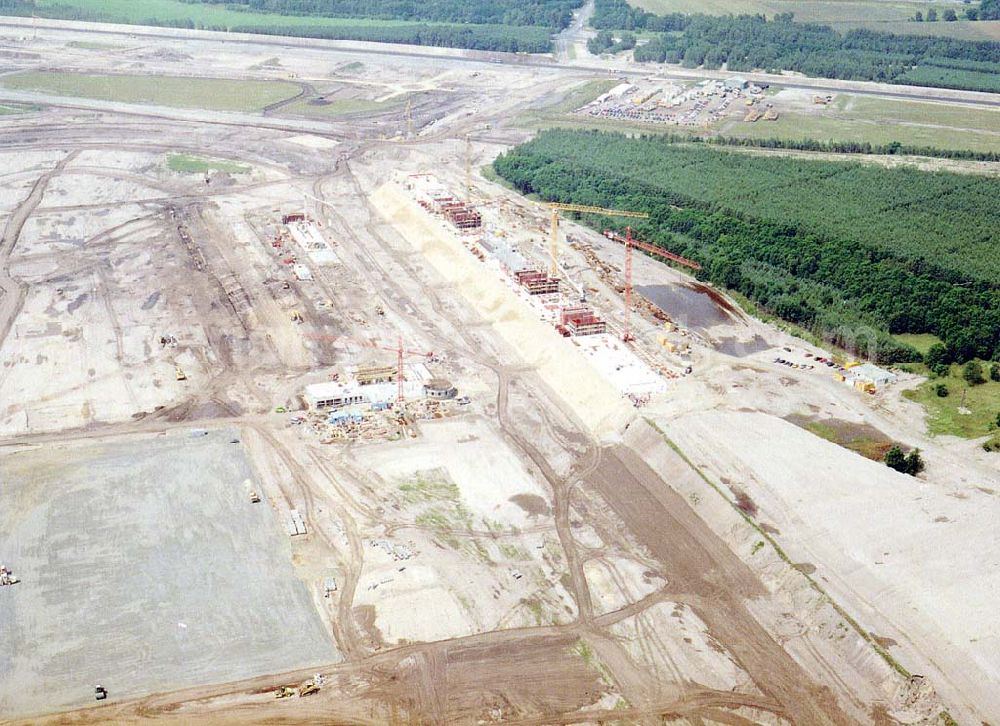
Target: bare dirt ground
539	556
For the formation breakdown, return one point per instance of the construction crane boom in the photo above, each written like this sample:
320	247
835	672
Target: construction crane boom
653	250
398	349
556	207
629	243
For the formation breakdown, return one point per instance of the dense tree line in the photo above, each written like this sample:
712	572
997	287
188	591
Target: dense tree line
619	15
852	285
501	38
989	10
605	42
751	42
842	147
554	14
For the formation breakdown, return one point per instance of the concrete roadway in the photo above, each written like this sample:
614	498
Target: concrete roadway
623	68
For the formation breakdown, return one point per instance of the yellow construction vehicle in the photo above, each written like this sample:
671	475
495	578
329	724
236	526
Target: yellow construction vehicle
296	316
179	373
284	692
308	688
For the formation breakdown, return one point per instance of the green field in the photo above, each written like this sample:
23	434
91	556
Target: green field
10	109
188	164
143	12
922	342
213	94
341	107
880	121
943	416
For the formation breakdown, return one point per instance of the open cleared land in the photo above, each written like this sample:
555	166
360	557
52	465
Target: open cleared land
217	94
156	573
551	528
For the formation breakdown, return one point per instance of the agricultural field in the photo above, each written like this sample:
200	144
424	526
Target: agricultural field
876	121
214	94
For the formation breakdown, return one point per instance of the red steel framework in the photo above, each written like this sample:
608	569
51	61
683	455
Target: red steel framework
629	243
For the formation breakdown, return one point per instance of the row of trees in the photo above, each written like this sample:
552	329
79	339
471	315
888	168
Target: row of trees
619	15
553	14
839	147
855	293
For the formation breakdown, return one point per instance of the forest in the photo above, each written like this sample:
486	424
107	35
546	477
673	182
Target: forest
552	14
501	38
751	42
853	252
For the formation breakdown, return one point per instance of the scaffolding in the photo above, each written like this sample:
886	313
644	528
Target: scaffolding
366	375
580	321
537	283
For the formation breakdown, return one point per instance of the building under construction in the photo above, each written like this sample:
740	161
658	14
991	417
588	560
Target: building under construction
454	210
580	320
537	283
366	375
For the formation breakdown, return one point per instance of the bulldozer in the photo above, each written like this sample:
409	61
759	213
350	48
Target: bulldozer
284	692
179	373
308	688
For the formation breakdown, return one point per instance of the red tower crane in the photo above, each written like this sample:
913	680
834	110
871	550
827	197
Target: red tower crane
398	349
629	243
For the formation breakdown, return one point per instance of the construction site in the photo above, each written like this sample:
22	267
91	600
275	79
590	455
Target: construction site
339	429
671	102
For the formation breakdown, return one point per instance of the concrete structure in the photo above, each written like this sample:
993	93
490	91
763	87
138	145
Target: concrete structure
440	388
333	394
